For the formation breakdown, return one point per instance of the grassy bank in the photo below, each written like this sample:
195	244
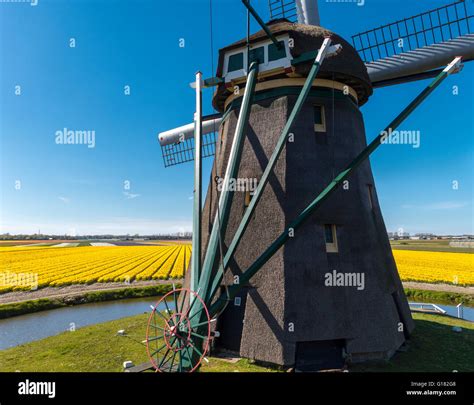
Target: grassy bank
26	307
96	348
439	297
434	347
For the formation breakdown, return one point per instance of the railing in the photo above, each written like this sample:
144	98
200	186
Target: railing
423	307
181	152
428	28
283	9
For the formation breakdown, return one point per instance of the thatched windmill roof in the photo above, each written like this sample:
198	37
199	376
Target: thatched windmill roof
347	67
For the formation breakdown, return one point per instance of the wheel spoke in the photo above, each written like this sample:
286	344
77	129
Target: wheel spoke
200	324
190	355
189	309
180	367
157	350
195	348
172	360
159	313
154	338
169	313
198	335
192	316
163	358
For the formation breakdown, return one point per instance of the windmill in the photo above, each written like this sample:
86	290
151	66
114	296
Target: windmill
291	261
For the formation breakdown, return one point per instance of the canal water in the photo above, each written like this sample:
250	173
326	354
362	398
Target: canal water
27	328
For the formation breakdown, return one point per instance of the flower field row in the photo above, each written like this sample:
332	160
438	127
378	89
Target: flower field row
60	266
435	267
21	268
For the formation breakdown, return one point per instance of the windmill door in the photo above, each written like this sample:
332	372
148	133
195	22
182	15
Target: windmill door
319	355
231	322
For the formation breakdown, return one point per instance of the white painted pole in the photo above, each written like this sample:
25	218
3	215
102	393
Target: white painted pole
196	254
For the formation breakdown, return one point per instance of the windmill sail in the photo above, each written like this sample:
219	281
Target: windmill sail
300	11
283	9
415	47
177	145
410	49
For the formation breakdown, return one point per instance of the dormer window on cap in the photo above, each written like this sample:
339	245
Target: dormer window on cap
270	58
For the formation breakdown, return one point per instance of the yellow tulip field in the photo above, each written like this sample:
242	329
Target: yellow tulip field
435	267
55	267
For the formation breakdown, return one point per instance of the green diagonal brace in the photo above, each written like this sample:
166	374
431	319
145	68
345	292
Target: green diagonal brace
220	221
280	241
271	164
261	23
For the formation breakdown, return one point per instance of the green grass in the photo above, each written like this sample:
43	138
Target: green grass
434	347
439	297
96	348
428	246
26	307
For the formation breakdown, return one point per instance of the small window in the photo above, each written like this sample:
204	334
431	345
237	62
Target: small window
330	236
370	191
236	62
257	54
237	301
248	197
275	53
249	194
319	118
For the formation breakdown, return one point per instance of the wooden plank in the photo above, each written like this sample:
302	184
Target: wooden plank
140	368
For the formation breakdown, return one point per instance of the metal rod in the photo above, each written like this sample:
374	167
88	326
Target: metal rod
196	242
280	241
231	172
261	23
270	166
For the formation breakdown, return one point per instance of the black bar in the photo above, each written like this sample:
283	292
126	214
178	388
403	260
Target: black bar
449	25
467	18
370	48
424	31
441	27
292	388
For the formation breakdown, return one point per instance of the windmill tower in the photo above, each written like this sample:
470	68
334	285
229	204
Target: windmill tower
291	279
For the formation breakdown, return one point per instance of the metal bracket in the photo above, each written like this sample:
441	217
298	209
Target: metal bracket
210	82
455	66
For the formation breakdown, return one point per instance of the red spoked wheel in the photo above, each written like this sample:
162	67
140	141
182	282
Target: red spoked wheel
177	338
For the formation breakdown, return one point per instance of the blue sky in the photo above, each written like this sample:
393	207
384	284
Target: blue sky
78	190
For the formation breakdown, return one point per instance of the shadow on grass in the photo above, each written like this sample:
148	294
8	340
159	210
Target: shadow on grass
433	347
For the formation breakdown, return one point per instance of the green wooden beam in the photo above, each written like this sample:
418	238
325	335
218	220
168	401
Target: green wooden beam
281	143
316	203
224	203
310	55
261	23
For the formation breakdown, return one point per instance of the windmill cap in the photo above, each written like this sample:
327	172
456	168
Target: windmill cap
346	67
